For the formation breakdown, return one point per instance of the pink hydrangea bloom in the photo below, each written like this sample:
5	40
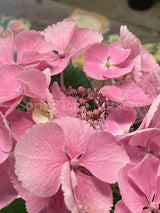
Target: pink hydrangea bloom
30	46
68	42
128	93
141	143
50	146
107	61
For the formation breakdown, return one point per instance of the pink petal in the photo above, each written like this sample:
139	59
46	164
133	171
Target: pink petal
157	194
120	120
39	158
128	93
56	203
119	70
56	91
116	54
94	195
148	62
137	70
132	197
142	178
135	154
82	39
60	34
96	58
19	121
5	139
9	87
34	83
66	107
150	83
76	133
8	106
33	203
130	41
7	192
152	117
148	140
104	157
59	64
69	182
120	207
7	48
30	46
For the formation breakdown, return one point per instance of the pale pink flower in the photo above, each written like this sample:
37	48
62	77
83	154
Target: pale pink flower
141	143
68	42
107	61
30	46
47	149
128	93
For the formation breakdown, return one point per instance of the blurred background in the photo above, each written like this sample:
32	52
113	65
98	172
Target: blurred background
142	17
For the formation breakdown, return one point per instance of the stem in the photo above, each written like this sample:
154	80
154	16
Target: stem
115	190
62	81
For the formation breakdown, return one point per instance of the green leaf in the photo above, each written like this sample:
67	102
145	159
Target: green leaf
17	206
73	77
116	198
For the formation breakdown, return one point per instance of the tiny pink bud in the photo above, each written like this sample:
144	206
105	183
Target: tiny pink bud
96	113
74	92
101	109
81	90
